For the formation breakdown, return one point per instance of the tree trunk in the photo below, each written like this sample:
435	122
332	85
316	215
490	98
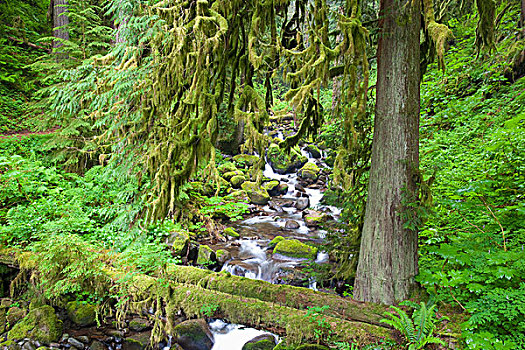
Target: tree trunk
60	22
388	256
522	16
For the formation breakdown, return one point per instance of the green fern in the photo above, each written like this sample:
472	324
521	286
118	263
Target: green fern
417	329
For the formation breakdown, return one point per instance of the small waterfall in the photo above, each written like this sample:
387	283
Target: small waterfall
233	336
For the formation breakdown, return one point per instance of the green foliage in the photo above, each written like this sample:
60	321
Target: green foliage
223	208
418	329
208	310
323	330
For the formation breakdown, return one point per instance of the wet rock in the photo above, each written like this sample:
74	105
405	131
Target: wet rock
309	171
282	189
230	232
193	335
272	187
84	339
76	343
256	194
314	218
81	313
115	333
302	203
295	249
261	342
138	324
97	345
223	255
283	163
245	160
206	255
299	187
227	176
137	342
291	224
178	241
276	207
314	151
288	204
28	346
237	181
40	324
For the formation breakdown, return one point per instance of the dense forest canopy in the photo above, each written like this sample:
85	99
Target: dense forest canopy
144	135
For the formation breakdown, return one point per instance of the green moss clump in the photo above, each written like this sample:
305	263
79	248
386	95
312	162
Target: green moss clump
193	334
226	167
274	241
230	174
245	160
312	347
206	255
257	195
40	324
81	313
295	249
283	163
237	181
272	187
10	345
178	241
230	232
309	171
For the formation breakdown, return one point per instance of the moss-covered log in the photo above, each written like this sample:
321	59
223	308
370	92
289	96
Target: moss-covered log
295	297
278	308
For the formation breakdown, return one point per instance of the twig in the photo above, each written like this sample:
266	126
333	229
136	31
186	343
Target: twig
34	46
482	199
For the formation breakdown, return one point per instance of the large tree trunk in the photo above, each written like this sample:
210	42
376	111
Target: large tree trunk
60	22
388	256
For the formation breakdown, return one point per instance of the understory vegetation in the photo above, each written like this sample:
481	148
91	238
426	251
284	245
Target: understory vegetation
92	181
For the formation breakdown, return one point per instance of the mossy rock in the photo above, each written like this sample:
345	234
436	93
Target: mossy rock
40	324
15	314
256	194
314	151
10	345
314	218
311	347
138	341
139	324
309	171
295	249
272	187
178	241
283	163
282	188
206	255
3	320
237	181
230	232
227	176
226	167
276	240
81	313
245	160
193	335
222	255
261	342
204	189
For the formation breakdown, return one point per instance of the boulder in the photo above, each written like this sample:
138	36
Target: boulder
81	313
245	160
226	167
230	232
178	241
206	255
283	163
257	195
295	249
222	255
41	324
274	241
261	342
138	341
237	181
272	187
302	203
291	224
10	345
314	218
193	335
309	171
282	189
314	151
227	176
15	314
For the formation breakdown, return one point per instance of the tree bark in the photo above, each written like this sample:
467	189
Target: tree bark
388	256
60	22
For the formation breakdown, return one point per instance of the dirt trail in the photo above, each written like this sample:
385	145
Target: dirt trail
26	132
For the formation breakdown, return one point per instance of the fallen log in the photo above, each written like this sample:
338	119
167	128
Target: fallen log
295	297
186	290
